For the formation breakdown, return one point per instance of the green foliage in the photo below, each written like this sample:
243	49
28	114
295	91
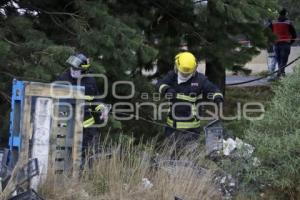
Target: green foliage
277	143
122	37
236	19
4	49
35	47
293	10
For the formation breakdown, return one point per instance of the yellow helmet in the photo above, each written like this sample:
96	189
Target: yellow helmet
185	63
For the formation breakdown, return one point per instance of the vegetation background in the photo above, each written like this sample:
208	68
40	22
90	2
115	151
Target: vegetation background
124	37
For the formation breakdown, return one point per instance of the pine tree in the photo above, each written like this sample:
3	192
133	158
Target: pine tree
293	11
38	37
229	22
214	30
123	37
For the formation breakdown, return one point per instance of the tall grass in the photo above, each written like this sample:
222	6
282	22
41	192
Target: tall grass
276	139
120	168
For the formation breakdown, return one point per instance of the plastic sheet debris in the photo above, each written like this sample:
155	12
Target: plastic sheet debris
256	162
146	183
237	148
228	146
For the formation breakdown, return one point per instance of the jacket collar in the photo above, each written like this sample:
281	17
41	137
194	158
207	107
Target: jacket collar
282	18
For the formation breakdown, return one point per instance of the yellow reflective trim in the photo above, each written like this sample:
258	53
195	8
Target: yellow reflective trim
87	125
99	107
186	98
217	94
88	122
89	98
85	66
200	96
187	125
184	125
194	110
170	122
162	87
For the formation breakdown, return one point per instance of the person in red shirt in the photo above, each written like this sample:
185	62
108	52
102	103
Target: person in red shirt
285	36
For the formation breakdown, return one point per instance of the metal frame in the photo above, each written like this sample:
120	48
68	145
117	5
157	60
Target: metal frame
17	102
24	96
214	134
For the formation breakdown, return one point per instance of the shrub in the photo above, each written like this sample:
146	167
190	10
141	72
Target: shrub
277	142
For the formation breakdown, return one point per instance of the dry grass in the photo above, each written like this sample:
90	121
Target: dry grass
120	175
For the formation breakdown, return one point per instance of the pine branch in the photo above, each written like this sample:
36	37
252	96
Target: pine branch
68	4
200	1
61	25
8	74
73	15
5	97
11	42
21	77
194	32
51	13
34	8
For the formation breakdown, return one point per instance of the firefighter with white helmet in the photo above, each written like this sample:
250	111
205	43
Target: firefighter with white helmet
95	109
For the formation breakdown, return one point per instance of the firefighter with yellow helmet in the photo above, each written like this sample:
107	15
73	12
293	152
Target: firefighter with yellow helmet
186	88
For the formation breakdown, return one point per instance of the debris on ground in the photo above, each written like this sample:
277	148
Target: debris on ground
237	148
146	183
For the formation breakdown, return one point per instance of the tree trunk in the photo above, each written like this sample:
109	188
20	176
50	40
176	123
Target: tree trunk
215	72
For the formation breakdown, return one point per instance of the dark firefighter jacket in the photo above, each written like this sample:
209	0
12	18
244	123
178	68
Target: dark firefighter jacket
93	105
183	110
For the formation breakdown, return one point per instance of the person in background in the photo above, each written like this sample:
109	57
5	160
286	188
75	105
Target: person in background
285	36
271	62
271	56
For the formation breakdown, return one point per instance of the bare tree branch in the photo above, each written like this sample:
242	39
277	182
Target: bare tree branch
5	96
59	24
10	42
61	13
200	1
